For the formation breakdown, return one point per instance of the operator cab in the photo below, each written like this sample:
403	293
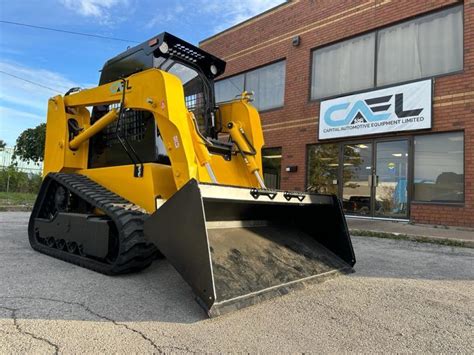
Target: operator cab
197	71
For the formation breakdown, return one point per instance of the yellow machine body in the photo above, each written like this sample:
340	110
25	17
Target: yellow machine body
201	200
161	94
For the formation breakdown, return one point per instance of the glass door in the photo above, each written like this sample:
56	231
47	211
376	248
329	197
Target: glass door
271	164
323	169
357	176
391	179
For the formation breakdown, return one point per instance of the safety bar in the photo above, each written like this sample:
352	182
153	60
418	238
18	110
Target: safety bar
98	126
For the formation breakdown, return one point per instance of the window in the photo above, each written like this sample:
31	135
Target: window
229	88
323	165
343	67
194	96
271	161
424	47
439	167
194	87
267	83
427	46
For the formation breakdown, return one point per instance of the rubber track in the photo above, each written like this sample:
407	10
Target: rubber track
135	252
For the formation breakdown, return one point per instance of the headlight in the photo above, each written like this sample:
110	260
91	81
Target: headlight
164	48
213	69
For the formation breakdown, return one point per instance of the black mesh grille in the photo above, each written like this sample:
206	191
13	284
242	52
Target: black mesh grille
132	126
185	53
137	128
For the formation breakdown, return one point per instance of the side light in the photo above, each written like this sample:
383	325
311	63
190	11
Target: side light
213	69
163	47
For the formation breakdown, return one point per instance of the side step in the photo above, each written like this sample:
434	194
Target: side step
133	251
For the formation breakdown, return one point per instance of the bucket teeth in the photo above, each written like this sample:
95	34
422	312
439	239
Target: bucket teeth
236	249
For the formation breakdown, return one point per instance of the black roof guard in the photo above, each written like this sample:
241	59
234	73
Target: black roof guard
163	45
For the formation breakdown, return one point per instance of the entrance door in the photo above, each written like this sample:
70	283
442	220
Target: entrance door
390	180
357	176
375	179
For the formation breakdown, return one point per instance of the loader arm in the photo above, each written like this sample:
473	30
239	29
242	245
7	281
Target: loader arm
161	94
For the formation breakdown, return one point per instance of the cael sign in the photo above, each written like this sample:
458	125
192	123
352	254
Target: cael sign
399	108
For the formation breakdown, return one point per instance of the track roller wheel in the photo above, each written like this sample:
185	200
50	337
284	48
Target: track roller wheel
60	244
51	242
71	247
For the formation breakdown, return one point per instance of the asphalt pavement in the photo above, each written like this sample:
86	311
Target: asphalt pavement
404	297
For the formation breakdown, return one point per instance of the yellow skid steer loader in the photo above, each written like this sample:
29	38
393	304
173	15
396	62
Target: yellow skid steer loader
147	164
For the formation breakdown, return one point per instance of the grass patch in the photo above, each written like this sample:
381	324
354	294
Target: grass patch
413	238
16	200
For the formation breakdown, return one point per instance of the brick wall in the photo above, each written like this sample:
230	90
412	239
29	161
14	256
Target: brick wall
268	37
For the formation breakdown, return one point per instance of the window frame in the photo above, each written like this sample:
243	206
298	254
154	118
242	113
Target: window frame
311	66
411	164
244	72
228	77
281	160
412	161
376	31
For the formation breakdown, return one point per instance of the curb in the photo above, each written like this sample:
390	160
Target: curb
15	208
453	242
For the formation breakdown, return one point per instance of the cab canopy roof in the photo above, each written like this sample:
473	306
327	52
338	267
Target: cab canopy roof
164	45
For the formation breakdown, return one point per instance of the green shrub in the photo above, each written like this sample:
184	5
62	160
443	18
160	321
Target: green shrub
13	180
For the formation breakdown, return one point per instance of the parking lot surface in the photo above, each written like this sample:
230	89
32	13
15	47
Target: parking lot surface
404	296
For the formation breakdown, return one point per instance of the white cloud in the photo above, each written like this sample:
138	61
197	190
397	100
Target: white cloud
100	9
14	121
22	101
23	104
11	112
19	92
233	12
227	12
163	17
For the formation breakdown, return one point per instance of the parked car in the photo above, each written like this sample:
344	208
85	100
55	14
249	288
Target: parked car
360	205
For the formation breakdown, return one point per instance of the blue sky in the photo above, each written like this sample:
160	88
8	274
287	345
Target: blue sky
61	61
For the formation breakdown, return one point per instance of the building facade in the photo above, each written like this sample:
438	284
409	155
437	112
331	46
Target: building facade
372	100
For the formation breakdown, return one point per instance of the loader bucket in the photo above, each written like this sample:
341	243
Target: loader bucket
238	246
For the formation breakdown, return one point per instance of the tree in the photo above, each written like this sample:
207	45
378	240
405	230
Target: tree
323	167
2	144
14	180
30	144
